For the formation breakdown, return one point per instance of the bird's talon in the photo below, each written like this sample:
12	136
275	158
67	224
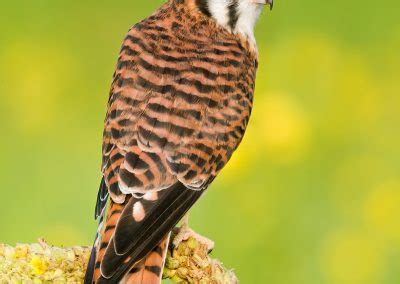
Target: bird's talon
184	233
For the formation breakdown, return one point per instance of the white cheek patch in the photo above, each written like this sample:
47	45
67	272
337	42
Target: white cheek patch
219	11
258	2
248	15
138	211
247	11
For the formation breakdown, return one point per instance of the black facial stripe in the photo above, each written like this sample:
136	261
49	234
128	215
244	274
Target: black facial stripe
233	13
203	7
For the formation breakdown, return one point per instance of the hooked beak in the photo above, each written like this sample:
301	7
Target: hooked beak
265	2
270	3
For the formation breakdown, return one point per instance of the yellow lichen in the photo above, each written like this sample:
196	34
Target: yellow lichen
21	251
41	263
38	265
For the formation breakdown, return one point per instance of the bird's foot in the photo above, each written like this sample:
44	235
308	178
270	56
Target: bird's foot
184	233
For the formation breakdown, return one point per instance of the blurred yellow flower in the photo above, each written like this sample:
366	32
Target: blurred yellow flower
36	75
279	131
352	258
284	131
382	210
38	265
356	104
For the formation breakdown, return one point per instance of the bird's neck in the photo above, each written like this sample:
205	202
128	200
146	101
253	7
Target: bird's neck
237	16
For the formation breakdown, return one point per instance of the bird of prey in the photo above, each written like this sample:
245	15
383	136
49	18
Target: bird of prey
179	104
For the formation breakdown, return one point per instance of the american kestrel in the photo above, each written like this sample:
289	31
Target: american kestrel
179	104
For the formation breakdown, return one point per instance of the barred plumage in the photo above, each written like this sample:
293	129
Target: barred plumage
179	105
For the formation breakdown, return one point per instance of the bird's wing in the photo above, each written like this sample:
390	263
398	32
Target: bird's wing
174	119
127	240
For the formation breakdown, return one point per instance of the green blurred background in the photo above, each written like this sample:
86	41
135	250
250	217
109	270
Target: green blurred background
311	196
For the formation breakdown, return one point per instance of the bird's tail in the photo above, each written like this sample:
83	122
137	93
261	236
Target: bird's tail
149	269
131	231
146	271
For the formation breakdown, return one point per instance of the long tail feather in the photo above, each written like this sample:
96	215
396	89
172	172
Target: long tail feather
149	269
93	272
101	205
90	266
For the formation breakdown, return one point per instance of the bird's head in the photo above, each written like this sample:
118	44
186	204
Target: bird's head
239	16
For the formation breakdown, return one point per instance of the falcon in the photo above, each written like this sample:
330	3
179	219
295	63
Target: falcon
179	104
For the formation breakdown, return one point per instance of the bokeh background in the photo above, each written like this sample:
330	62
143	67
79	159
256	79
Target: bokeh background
311	196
